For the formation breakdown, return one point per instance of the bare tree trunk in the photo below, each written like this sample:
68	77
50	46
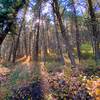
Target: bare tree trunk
25	42
18	38
43	56
94	30
63	31
58	42
30	37
36	45
77	30
11	49
48	38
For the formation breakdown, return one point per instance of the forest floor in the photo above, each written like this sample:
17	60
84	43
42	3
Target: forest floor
26	80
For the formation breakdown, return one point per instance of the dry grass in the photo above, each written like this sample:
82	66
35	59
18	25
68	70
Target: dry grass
4	71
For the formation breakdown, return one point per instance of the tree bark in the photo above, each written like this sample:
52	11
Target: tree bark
76	30
94	30
63	31
36	45
58	42
18	38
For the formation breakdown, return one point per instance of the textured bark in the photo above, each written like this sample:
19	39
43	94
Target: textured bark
43	56
3	35
63	31
59	49
36	45
10	53
94	30
19	33
76	30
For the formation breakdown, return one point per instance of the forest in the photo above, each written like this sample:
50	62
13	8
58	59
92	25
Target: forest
49	49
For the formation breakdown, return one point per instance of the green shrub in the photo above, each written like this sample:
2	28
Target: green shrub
53	66
14	76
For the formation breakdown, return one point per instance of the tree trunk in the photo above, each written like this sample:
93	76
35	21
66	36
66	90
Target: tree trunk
11	49
36	47
76	30
63	31
18	38
58	42
43	44
94	30
3	35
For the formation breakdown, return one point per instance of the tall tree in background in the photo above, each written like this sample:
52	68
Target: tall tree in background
74	18
59	49
19	32
55	7
94	30
36	44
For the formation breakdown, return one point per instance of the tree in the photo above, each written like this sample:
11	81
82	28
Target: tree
74	17
59	49
8	13
36	44
55	7
19	33
95	33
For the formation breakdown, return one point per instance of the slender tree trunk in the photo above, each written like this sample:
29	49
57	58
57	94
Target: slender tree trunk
25	45
25	40
76	30
30	37
18	38
48	38
94	30
58	42
43	44
36	47
10	53
63	31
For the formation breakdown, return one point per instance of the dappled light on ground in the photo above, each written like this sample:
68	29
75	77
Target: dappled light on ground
93	87
21	59
58	84
49	50
44	75
4	71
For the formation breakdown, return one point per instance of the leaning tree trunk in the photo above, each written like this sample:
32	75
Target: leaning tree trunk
3	35
58	42
18	38
63	32
9	24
